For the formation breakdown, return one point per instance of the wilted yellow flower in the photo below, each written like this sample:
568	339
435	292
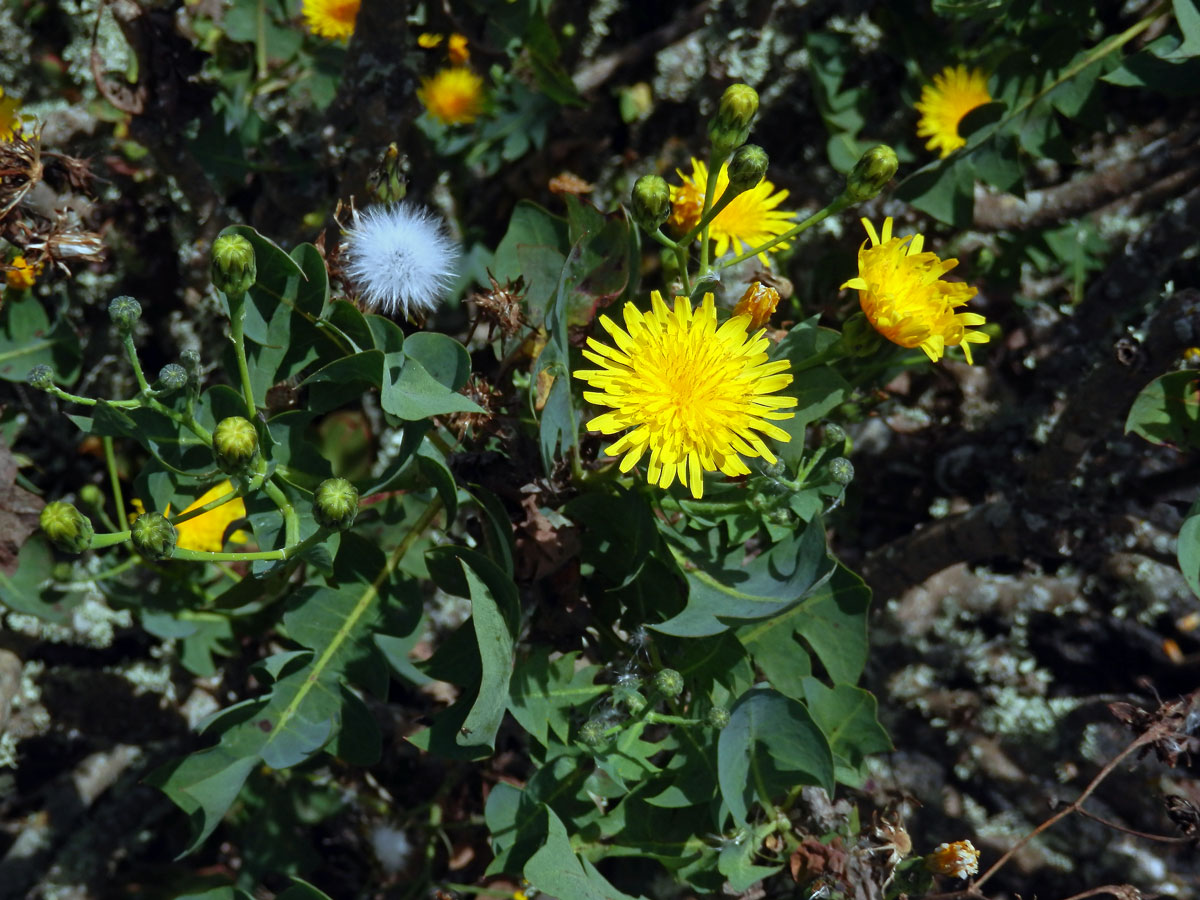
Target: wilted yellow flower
751	219
453	95
758	304
694	394
331	19
955	91
456	49
959	859
22	276
901	292
207	530
10	122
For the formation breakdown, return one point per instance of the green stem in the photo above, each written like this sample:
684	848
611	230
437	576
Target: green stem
58	392
100	541
291	521
716	160
234	556
260	42
681	257
835	207
114	480
706	218
655	718
207	507
131	352
237	318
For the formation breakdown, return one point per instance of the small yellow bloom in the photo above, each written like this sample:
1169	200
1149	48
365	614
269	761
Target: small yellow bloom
955	91
901	292
959	860
331	19
207	530
694	394
22	276
428	40
10	121
457	50
751	219
758	303
453	96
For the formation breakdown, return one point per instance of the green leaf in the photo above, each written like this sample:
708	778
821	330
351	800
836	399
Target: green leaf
204	785
849	717
24	591
1187	14
770	745
343	381
27	339
1167	411
496	657
434	367
545	691
723	587
529	226
833	622
736	863
556	870
302	890
1188	548
944	189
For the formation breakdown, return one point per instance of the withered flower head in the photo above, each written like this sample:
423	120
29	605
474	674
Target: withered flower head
501	306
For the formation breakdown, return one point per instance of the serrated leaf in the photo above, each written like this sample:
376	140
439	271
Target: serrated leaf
770	745
556	870
545	691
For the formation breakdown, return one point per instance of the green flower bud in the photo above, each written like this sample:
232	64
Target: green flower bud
172	377
67	528
841	470
871	173
718	717
63	571
859	337
90	495
630	697
41	377
592	733
730	127
153	536
747	168
124	312
335	504
650	202
190	360
235	442
233	265
834	436
669	683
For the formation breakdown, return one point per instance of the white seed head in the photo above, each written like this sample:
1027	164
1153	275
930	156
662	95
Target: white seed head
400	258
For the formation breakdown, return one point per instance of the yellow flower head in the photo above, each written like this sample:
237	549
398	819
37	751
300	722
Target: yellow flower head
901	292
10	122
428	40
758	304
748	221
22	276
694	394
955	92
331	19
959	860
456	49
453	96
207	530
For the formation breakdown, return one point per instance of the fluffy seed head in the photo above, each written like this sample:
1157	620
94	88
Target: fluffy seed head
400	258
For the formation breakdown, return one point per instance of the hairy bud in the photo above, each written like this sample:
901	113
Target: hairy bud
730	127
650	202
235	443
124	312
91	495
841	470
172	377
669	683
153	536
718	717
592	733
871	173
233	266
41	377
747	168
67	528
335	504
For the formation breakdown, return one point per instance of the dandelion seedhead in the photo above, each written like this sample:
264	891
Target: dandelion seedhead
400	258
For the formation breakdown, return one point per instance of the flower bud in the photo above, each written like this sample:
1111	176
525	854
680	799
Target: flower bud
669	683
235	442
67	528
834	436
630	697
718	717
124	312
592	733
41	377
190	360
871	173
233	265
758	303
859	337
172	377
747	168
841	470
730	127
650	202
91	495
335	504
153	536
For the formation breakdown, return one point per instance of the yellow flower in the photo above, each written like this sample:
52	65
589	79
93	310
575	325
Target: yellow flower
751	219
959	859
694	394
456	49
331	19
10	122
428	40
207	530
901	292
453	96
955	91
758	304
22	276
